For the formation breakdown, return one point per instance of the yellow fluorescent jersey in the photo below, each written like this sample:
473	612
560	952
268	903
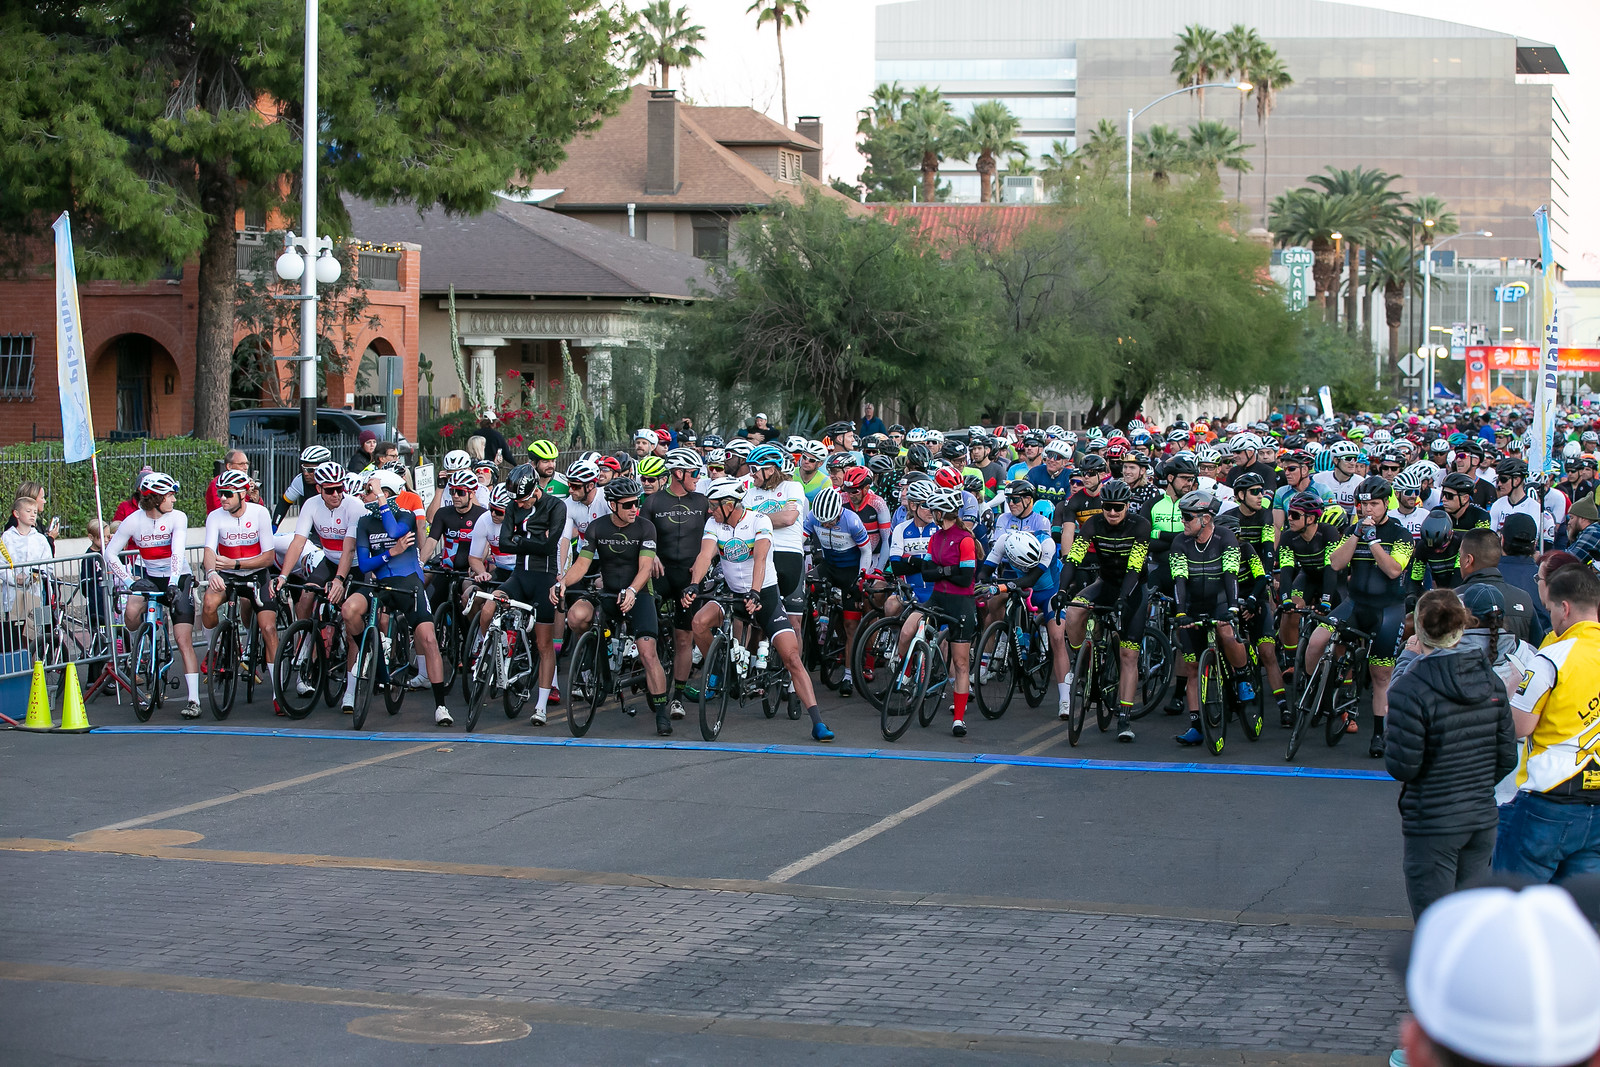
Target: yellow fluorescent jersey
1562	687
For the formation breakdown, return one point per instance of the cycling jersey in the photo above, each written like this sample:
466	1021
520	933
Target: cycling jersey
908	544
1269	473
1032	522
1412	522
1286	493
1056	490
160	542
1120	551
618	549
1309	558
311	555
993	474
679	522
955	549
1365	580
533	534
239	537
486	543
1164	517
845	544
810	486
1559	760
1343	493
874	517
1205	575
580	515
1079	508
376	535
330	526
452	530
1143	497
1471	518
292	495
736	547
1256	531
788	494
1503	507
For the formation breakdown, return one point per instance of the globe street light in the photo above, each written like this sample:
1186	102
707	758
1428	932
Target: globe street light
1243	87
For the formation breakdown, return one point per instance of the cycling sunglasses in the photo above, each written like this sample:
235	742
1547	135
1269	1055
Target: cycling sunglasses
1114	506
330	490
1390	468
629	504
1187	515
461	492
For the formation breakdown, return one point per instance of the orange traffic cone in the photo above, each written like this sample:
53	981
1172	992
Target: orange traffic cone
73	718
38	719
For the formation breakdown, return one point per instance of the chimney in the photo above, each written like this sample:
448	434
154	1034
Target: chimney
810	127
661	143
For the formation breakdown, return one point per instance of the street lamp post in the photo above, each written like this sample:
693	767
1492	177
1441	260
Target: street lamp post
1243	87
1427	305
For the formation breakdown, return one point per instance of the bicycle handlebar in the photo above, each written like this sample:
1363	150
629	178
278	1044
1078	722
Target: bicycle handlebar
507	601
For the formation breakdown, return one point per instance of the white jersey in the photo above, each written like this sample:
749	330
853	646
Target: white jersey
242	537
486	543
1412	522
296	491
1344	493
1503	507
481	495
1555	513
311	554
579	516
791	538
329	527
160	542
736	545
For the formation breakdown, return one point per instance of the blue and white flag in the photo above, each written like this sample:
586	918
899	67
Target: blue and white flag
1544	397
77	428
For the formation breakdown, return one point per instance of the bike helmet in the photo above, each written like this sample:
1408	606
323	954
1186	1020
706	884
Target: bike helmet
1228	520
740	447
1207	454
522	480
1437	529
918	458
542	450
1246	442
1093	465
1511	468
725	489
1180	465
1114	492
312	455
1408	481
972	484
827	506
1022	487
328	474
1199	501
582	473
921	492
947	478
1022	550
1059	450
1589	437
649	467
841	461
355	483
858	477
953	450
794	443
1344	450
462	480
499	498
1381	437
710	441
621	463
716	459
1374	488
880	465
232	481
1247	481
946	500
682	459
766	456
1116	453
623	488
1460	483
391	482
456	460
1307	505
817	451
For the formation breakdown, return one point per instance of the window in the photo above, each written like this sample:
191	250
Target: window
379	270
710	237
16	366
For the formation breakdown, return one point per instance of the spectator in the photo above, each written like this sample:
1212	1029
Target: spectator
235	460
364	459
389	452
1583	529
36	490
1501	977
496	449
1449	739
1551	829
1480	563
20	595
870	423
1519	538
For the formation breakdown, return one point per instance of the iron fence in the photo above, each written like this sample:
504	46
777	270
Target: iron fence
275	457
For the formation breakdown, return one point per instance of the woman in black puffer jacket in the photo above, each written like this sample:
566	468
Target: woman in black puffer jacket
1448	738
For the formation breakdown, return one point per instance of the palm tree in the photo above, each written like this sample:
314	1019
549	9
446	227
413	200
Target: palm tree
662	38
1379	209
991	129
1392	268
1243	48
1197	58
1212	144
1055	164
1445	222
1270	76
783	14
887	100
1161	151
1105	148
929	131
1311	217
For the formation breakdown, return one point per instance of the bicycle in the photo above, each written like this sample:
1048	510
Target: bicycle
383	654
1013	652
920	680
449	625
606	662
1158	658
732	670
152	657
1097	671
1219	700
825	623
312	654
506	661
234	649
1331	694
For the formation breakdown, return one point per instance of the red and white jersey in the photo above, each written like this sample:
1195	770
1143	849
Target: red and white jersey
160	542
580	515
328	528
240	537
486	543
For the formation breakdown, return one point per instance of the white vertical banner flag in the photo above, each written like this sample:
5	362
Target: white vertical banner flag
72	365
1542	447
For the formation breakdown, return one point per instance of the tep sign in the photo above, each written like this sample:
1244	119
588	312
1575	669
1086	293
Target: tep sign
1298	291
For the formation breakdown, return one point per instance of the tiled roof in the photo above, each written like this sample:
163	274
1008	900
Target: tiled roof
525	250
994	225
746	125
606	168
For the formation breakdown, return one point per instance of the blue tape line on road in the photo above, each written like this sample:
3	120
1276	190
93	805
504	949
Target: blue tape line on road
902	755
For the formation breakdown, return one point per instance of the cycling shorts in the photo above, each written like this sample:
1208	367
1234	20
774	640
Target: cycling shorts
1385	622
790	568
180	603
843	579
771	615
1133	609
321	574
642	618
1262	624
960	611
533	588
670	587
253	587
404	595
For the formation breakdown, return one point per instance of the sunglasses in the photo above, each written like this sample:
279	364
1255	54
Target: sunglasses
1190	515
227	494
1502	480
629	504
1388	468
460	492
336	491
1254	492
1114	507
1076	483
1449	495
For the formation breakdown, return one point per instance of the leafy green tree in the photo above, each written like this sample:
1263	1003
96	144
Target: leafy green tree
154	121
784	15
991	130
1211	145
1323	355
1163	152
1198	57
1270	76
661	38
1377	208
828	306
1056	166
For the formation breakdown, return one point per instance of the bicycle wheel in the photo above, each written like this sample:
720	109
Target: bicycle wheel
1345	702
905	691
468	649
222	669
302	661
831	657
1082	691
1213	702
524	668
774	694
1252	715
1034	662
483	679
447	631
996	680
877	645
714	687
936	690
586	681
336	645
859	644
367	657
1157	672
1311	697
142	673
250	656
1109	677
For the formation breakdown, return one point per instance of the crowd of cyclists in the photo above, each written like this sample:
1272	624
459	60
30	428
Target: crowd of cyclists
1271	543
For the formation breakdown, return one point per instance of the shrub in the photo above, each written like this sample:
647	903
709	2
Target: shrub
69	488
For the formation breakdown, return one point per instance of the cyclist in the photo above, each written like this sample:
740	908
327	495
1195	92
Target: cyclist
1342	480
532	531
239	542
1205	566
1031	454
1136	474
488	564
1256	534
543	455
1018	514
844	553
584	502
331	516
651	473
452	530
624	547
1084	503
1374	554
951	564
386	549
1406	507
810	474
1511	476
1456	497
1052	481
299	486
678	513
1436	560
1179	477
454	460
779	497
981	449
160	535
871	510
742	540
1121	544
909	543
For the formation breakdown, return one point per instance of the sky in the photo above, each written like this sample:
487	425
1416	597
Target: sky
829	60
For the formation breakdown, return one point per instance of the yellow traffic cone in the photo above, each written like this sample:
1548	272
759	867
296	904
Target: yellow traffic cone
73	718
38	719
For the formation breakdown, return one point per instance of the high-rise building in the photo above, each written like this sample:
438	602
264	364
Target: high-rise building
1470	115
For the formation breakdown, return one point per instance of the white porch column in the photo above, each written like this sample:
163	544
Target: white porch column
482	371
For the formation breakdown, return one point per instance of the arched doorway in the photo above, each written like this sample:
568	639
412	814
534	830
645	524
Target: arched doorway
145	383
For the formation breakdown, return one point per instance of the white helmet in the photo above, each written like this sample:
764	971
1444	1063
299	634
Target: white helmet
827	505
355	483
1022	549
1059	449
457	460
391	482
1345	450
583	471
683	459
1207	454
725	489
1246	442
817	451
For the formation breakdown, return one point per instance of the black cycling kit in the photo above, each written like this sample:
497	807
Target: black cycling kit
617	550
533	535
680	523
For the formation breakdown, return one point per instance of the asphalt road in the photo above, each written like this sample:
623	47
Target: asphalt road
257	891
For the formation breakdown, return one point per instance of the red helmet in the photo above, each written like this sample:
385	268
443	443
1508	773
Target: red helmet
857	478
947	478
664	437
610	462
1116	451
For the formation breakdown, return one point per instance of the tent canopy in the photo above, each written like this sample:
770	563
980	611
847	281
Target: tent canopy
1502	395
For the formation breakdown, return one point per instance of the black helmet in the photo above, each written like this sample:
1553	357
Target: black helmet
1459	483
834	429
1114	491
1511	467
972	484
918	458
1374	488
1180	465
953	450
1021	487
521	481
1228	520
1294	441
1093	464
880	465
1034	437
898	428
1437	529
1248	480
623	488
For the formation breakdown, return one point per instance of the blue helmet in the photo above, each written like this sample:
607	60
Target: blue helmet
766	456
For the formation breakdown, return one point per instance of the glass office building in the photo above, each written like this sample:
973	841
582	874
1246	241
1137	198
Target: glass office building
1467	114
